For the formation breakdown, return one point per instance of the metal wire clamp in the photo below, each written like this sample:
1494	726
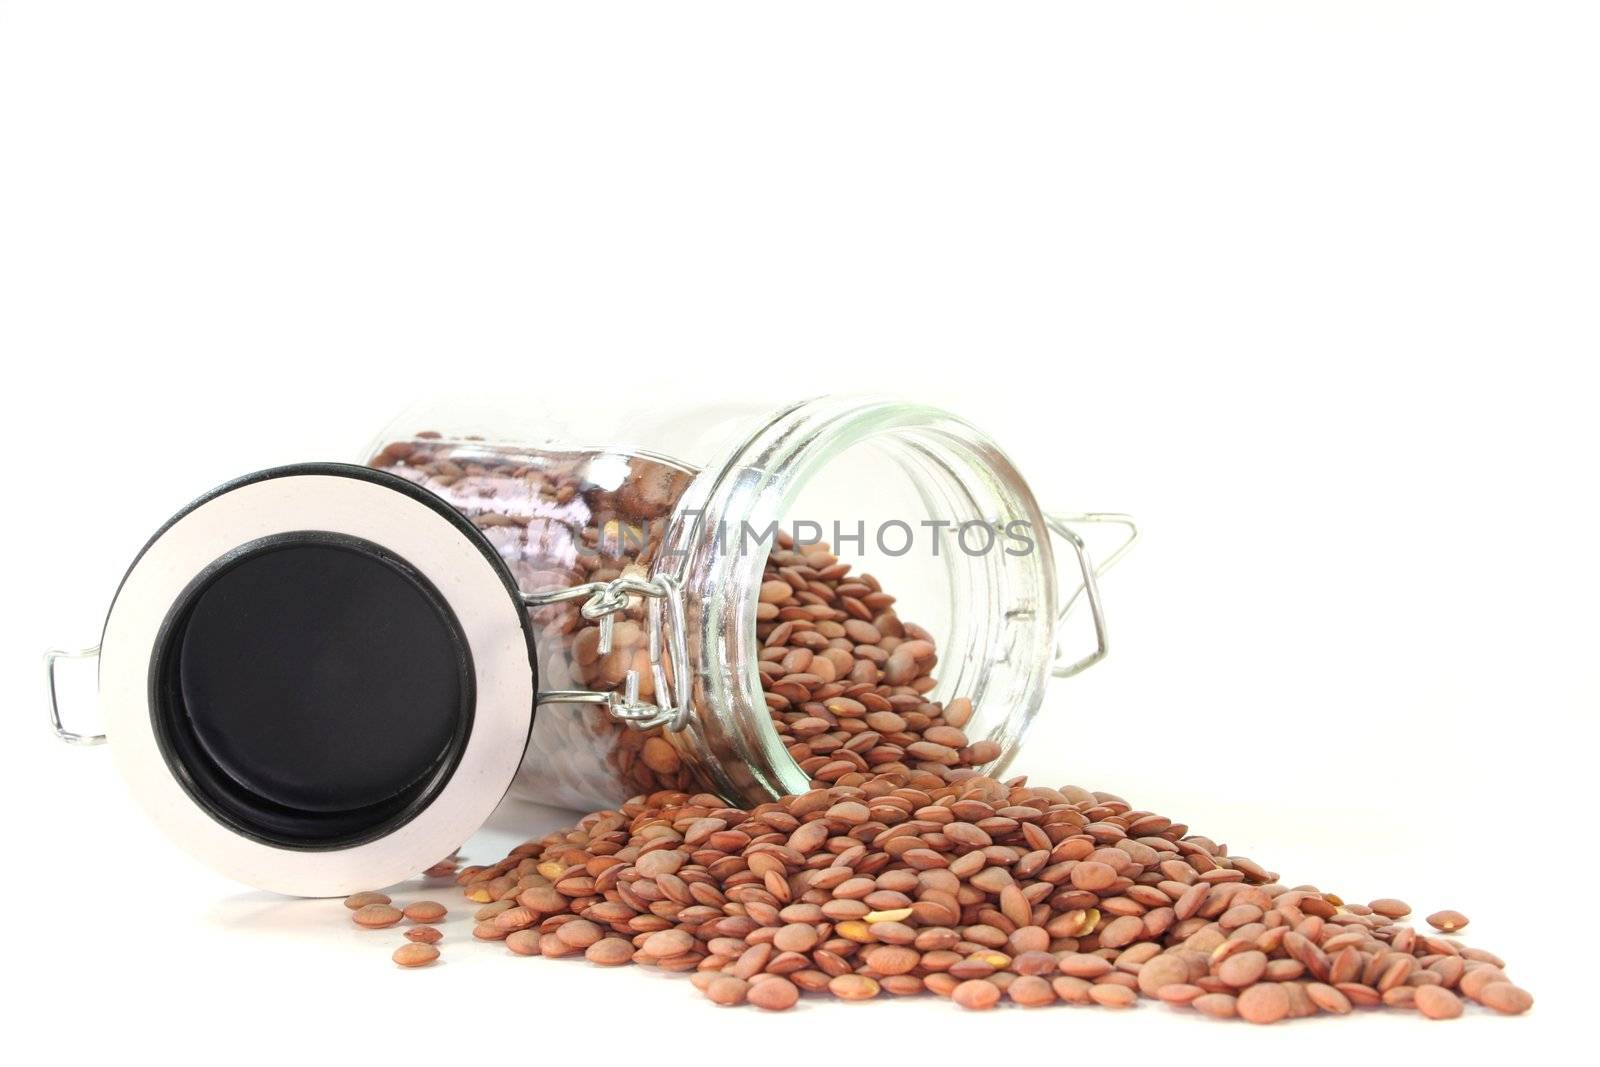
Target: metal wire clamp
665	625
51	658
1061	525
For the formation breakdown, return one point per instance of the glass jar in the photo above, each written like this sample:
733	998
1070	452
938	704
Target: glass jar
325	677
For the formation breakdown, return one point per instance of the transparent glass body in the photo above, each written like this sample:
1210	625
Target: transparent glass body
866	584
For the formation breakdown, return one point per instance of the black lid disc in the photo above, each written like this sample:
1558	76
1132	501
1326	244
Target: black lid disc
314	689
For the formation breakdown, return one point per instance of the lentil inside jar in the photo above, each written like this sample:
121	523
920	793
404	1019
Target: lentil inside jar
559	519
847	683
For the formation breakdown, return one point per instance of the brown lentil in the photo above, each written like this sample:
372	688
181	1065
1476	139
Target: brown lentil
1179	993
424	911
1328	998
609	952
1506	998
1266	1002
796	937
524	942
1437	1002
1447	921
976	995
773	993
1030	991
425	935
1473	982
356	901
1112	996
727	991
376	916
415	955
1160	972
1390	908
1217	1005
664	944
853	987
1242	969
579	933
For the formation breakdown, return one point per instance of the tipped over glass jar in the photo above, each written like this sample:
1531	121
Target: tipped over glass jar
326	676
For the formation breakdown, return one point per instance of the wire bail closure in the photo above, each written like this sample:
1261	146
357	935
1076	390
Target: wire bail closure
51	658
665	623
1061	525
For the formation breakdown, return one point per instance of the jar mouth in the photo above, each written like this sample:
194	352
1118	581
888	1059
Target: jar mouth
1000	605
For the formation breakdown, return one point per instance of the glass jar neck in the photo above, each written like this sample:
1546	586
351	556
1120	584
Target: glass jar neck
1002	603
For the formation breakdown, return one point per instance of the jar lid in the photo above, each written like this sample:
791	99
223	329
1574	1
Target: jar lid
318	679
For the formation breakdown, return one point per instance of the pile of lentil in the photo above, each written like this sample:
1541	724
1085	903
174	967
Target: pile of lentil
905	869
977	890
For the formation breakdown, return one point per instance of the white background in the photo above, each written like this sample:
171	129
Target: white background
1308	288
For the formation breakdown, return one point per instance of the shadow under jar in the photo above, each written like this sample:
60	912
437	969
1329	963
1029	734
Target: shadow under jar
325	677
